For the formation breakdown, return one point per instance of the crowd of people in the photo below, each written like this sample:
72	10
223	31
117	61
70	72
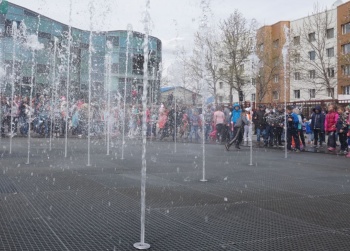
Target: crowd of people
227	125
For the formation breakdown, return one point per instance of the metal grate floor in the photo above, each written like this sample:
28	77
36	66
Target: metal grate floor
61	204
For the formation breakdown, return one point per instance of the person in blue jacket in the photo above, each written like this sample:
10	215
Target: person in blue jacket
236	114
292	129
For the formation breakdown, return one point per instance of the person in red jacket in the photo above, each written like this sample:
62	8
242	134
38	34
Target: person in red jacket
330	126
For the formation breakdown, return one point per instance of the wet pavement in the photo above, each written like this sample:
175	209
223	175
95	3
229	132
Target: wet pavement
54	203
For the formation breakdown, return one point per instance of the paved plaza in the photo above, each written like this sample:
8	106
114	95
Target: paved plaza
57	203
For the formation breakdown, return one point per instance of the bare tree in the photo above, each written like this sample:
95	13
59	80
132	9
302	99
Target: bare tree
236	46
268	67
210	42
313	52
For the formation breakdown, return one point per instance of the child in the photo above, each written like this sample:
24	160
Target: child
238	131
317	125
330	126
342	130
307	130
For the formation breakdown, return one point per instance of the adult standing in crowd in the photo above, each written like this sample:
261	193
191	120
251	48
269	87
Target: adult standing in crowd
219	121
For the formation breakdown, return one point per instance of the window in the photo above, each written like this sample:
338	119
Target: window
253	81
330	92
42	68
296	94
312	93
330	72
296	40
312	37
114	68
346	90
241	67
114	40
346	70
345	48
221	71
297	76
312	55
261	47
345	28
297	58
276	43
330	33
221	85
221	99
275	95
330	52
252	97
312	74
276	78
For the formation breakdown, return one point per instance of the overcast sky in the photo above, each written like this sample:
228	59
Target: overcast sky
174	21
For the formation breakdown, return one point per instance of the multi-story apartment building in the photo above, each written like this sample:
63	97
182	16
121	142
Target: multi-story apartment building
269	77
313	56
343	51
318	63
43	70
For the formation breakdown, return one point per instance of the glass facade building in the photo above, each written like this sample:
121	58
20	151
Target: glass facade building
46	66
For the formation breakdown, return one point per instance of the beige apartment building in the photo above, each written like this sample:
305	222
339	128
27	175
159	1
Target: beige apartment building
318	64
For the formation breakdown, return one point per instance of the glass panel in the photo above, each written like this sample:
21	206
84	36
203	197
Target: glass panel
57	29
14	17
45	25
15	10
31	22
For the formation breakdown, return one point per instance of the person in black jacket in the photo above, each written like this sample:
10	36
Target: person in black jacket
317	125
342	130
259	120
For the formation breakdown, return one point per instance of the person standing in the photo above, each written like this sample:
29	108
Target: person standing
292	129
238	131
247	138
342	130
260	124
278	126
208	118
236	114
219	121
330	126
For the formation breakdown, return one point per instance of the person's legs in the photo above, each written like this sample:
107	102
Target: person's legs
236	133
296	139
316	136
343	141
278	135
289	139
301	133
258	134
239	137
246	133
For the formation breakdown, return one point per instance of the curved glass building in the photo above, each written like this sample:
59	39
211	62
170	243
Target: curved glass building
27	43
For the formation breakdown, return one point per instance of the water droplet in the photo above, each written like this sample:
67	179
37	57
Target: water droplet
225	199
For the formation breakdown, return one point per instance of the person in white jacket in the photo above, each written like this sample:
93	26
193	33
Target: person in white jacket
247	136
